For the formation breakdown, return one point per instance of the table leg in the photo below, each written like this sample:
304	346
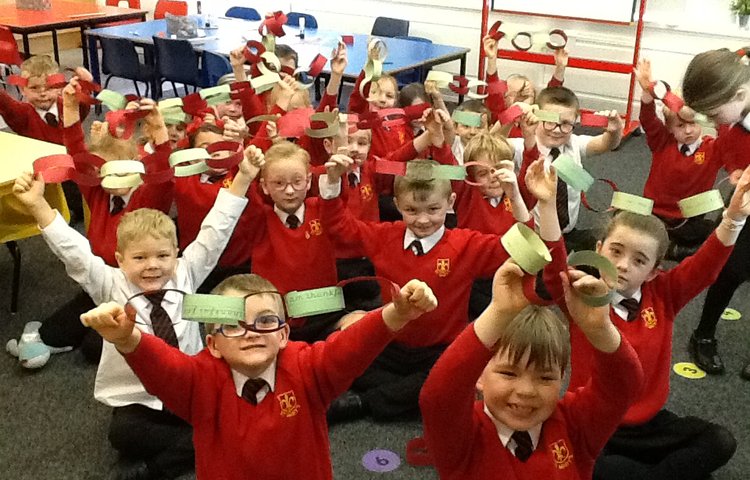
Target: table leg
55	47
463	74
83	49
26	47
93	58
15	252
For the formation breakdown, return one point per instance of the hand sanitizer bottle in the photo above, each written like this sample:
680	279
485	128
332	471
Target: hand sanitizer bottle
302	28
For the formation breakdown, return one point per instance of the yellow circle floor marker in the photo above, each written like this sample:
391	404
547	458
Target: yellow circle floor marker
688	370
731	314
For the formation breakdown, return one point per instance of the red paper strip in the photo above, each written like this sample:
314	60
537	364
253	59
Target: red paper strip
348	40
253	50
294	123
55	168
673	102
585	200
495	32
414	112
56	80
288	70
195	105
274	24
557	46
157	168
317	65
460	85
388	167
510	114
228	162
499	87
526	35
594	120
126	119
17	80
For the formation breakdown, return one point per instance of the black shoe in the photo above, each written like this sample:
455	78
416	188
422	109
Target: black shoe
129	469
704	352
745	373
346	408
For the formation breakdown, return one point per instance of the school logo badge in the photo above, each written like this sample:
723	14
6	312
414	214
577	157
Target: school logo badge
506	203
443	267
700	157
561	453
288	404
401	137
315	227
228	182
366	192
649	317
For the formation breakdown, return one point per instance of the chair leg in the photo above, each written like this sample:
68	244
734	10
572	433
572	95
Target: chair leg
174	89
137	90
106	82
15	252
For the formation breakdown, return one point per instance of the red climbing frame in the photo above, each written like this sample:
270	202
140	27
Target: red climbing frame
584	63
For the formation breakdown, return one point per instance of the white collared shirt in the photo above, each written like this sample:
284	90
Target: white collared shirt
621	311
116	385
299	213
458	149
125	199
494	201
52	110
269	375
693	147
576	149
427	242
745	122
504	433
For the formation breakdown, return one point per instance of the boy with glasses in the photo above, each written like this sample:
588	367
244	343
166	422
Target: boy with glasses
256	401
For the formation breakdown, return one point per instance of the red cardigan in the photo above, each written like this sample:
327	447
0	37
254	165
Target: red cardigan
463	440
285	436
475	212
24	120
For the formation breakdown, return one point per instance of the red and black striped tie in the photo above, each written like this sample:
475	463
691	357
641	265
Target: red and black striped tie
160	321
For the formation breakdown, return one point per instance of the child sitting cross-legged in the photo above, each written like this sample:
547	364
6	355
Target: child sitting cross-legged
252	394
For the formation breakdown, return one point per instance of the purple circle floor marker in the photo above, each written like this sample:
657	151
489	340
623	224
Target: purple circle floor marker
381	461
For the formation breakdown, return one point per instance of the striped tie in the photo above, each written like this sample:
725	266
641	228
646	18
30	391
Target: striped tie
160	321
562	195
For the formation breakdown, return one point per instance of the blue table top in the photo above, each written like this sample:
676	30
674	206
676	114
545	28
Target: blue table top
233	33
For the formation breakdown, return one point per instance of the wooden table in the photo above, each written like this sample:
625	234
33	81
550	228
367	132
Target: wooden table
63	14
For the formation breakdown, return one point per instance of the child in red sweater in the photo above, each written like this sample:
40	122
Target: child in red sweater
652	442
420	245
515	355
252	393
678	152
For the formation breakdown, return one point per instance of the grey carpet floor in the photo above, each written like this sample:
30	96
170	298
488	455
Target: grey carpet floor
51	427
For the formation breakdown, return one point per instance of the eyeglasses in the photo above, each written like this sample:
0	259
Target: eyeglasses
297	184
261	324
564	127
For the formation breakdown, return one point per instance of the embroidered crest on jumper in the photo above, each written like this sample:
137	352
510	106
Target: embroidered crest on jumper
315	228
228	182
561	453
366	192
507	204
700	157
649	317
443	267
288	404
401	137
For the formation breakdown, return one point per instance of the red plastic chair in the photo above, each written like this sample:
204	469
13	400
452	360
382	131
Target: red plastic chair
169	6
116	3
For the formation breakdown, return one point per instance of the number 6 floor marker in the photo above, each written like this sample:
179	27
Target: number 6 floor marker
381	461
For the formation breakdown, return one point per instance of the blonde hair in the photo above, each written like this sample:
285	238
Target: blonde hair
495	148
712	79
542	333
420	181
386	78
284	150
142	222
246	284
39	66
647	224
111	148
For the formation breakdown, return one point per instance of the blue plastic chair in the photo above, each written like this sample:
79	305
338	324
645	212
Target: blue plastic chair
244	13
411	76
176	61
214	67
390	27
120	59
292	19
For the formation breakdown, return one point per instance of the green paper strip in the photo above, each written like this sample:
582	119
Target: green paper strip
474	84
572	173
216	95
470	119
265	82
174	116
373	71
113	100
592	259
449	172
213	309
170	103
547	116
189	170
121	167
314	302
701	203
442	79
269	41
188	155
263	118
122	181
526	248
632	203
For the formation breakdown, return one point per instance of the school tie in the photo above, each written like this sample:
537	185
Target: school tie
118	204
632	305
160	321
292	221
51	119
562	195
353	180
524	446
251	388
685	150
416	247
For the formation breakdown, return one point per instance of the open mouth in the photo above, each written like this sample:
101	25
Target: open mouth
520	410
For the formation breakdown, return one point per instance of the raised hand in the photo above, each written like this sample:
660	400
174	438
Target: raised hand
541	182
114	323
409	303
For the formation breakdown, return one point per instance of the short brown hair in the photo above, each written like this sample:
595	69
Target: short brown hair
496	148
206	127
285	51
647	224
411	92
247	284
284	150
475	106
39	66
142	222
542	333
420	181
112	148
558	96
712	79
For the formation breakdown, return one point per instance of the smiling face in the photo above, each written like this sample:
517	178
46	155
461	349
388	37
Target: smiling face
490	186
148	262
520	395
383	93
254	352
555	137
424	212
231	109
635	255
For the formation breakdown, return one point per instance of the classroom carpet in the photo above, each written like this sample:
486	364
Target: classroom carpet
51	426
